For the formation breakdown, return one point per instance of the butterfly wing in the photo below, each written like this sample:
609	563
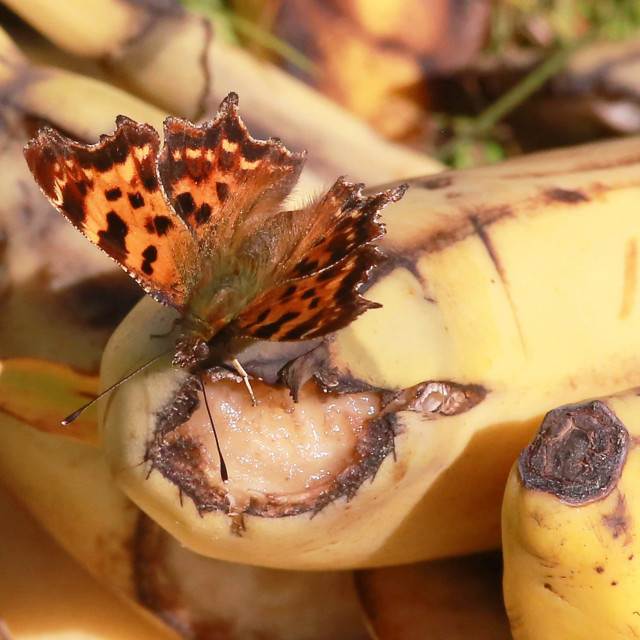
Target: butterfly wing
111	192
323	259
220	180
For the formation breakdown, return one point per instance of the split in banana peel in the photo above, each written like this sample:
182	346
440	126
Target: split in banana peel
569	515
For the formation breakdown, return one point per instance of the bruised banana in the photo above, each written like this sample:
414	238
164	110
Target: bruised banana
571	508
506	291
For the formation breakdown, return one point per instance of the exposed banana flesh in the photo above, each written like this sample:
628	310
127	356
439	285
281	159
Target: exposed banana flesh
571	506
516	282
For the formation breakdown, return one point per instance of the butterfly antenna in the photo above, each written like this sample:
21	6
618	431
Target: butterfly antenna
78	412
223	467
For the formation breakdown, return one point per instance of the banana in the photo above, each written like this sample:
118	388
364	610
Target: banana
173	59
448	598
45	594
570	509
507	290
67	486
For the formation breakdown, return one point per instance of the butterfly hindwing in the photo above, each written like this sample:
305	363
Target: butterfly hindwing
111	192
325	260
311	307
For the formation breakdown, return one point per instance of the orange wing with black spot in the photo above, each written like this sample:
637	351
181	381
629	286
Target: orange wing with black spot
220	180
324	256
111	192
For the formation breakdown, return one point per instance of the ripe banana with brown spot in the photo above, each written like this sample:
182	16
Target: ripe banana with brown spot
571	508
507	290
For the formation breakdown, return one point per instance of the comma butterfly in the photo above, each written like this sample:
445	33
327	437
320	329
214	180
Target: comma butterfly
201	226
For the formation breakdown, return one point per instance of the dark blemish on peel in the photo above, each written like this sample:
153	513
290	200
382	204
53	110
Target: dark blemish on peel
481	232
565	195
630	278
437	182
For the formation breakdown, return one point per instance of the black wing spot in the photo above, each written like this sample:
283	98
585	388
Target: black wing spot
73	205
309	293
314	303
113	238
305	267
203	213
272	328
136	200
222	189
263	316
149	255
150	183
162	225
185	204
113	194
227	161
290	291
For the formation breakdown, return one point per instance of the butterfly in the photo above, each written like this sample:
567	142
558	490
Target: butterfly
201	225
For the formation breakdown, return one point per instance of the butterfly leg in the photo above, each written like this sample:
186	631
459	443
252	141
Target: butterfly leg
245	377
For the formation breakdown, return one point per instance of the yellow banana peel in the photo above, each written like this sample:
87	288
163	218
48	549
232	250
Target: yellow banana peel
44	593
174	60
569	514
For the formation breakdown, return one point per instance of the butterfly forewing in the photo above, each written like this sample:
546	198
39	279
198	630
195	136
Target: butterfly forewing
220	180
111	192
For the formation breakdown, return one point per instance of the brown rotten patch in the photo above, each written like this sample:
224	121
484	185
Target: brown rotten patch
284	458
577	454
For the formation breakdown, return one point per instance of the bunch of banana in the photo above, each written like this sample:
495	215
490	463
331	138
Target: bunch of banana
174	60
485	325
570	510
507	290
59	298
